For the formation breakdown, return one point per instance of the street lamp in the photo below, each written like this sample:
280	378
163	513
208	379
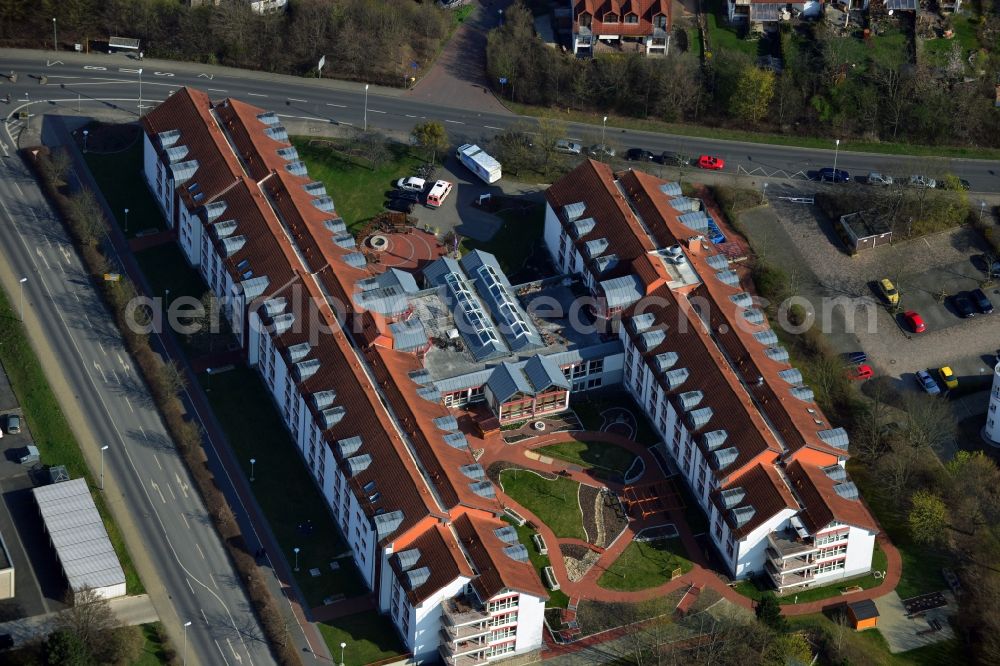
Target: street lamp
21	304
982	207
85	133
208	381
253	461
765	192
55	38
366	107
186	625
140	92
126	220
296	550
342	646
604	128
836	153
103	449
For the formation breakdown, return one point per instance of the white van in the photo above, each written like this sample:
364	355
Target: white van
439	193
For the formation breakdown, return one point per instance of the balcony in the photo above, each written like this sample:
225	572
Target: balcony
788	543
464	648
788	564
783	581
477	659
459	611
465	631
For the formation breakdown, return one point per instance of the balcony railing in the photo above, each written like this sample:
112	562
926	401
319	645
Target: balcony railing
785	580
477	659
788	564
460	610
457	649
453	633
786	544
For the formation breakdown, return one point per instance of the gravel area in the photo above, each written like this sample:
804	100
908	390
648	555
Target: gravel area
614	518
578	560
588	502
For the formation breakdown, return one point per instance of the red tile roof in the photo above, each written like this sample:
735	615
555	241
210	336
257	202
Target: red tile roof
645	10
439	552
765	491
822	503
496	571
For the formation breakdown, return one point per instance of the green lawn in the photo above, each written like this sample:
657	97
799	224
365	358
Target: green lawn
938	51
511	243
646	564
49	428
694	42
749	589
557	598
119	176
591	454
369	637
153	650
166	268
282	483
555	502
589	410
358	192
721	35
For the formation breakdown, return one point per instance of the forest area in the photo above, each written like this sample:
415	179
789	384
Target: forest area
376	42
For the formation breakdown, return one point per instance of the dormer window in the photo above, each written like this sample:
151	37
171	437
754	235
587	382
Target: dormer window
631	18
610	17
585	20
660	21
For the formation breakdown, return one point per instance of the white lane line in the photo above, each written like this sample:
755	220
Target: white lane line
172	495
103	350
321	120
186	523
493	128
129	403
97	366
19	190
409	115
348	124
455	122
375	111
216	90
339	106
255	94
41	256
200	552
77	297
162	499
214	582
296	99
237	656
221	653
203	615
180	484
188	581
125	70
157	459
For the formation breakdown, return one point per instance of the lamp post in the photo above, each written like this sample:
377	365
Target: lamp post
55	37
20	307
296	551
982	207
126	220
764	195
836	153
85	133
186	625
604	128
342	646
103	449
366	107
253	461
208	380
140	92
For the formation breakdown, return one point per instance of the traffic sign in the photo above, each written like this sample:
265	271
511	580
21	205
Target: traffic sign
503	80
112	277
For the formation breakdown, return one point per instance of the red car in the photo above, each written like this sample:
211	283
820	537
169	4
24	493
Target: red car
861	373
712	163
915	321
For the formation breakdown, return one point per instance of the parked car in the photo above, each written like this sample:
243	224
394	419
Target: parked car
568	147
876	178
28	454
889	291
601	151
948	377
857	358
639	155
861	373
411	184
668	158
981	300
829	174
963	305
923	181
928	383
14	424
711	163
405	195
400	206
915	321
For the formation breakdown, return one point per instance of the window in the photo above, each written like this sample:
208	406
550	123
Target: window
660	21
579	370
596	366
610	17
503	618
631	19
500	634
585	20
594	383
827	567
502	604
503	648
717	530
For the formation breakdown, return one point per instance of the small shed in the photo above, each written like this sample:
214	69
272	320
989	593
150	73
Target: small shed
863	614
864	230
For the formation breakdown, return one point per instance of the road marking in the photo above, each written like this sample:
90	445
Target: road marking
203	615
339	106
49	63
114	373
125	70
19	190
122	361
174	497
77	297
45	261
343	123
255	94
65	254
207	76
455	122
188	581
214	582
4	146
200	552
96	67
295	99
238	657
322	120
186	523
928	244
180	484
221	653
410	116
157	459
375	111
163	73
103	350
129	403
216	90
493	128
97	366
162	498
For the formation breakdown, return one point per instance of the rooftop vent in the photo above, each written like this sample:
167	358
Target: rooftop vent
596	247
275	306
214	210
232	245
176	153
315	188
421	377
169	137
335	225
349	446
323	399
297	168
754	316
732	497
642	321
690	399
728	277
766	338
224	228
289	153
671	189
283	322
777	353
268	118
582	227
792	376
359	463
429	393
323	203
803	393
277	132
652	339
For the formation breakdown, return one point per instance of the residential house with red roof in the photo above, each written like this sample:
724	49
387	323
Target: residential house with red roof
736	419
629	26
772	11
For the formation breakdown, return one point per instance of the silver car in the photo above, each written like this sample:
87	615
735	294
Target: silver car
876	178
568	147
14	424
922	181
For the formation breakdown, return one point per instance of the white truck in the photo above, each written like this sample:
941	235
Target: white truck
479	162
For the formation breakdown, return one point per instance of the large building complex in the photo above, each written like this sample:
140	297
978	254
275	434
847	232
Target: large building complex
386	379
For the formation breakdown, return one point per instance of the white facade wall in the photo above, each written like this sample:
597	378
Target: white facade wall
530	620
858	560
424	636
159	179
992	429
750	556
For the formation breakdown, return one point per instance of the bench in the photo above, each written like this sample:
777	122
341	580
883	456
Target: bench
539	542
515	516
550	579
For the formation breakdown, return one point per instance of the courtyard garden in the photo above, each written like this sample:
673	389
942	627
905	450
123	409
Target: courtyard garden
603	455
647	564
554	500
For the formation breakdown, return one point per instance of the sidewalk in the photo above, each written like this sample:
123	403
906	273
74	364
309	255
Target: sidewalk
129	610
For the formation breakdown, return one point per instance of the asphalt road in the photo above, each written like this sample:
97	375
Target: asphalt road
75	334
114	79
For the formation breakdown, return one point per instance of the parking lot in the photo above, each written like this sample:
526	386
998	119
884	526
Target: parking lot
38	578
802	241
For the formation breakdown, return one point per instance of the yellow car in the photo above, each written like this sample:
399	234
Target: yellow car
889	291
948	377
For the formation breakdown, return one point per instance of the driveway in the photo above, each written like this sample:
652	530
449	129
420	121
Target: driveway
903	632
459	74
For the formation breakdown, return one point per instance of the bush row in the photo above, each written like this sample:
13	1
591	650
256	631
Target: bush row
86	224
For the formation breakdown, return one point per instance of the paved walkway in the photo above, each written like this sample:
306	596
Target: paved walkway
129	611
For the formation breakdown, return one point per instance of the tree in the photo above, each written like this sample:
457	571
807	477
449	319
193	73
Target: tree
768	612
928	518
432	137
928	422
56	166
120	646
373	148
87	217
754	91
64	648
787	649
170	378
88	618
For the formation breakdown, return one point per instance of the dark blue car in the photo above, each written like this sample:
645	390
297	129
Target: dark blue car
834	175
